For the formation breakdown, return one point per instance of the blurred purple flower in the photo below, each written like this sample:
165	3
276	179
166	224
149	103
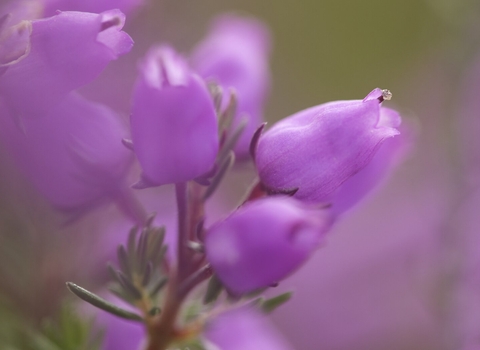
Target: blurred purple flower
120	334
173	122
235	55
35	9
465	304
73	155
264	241
468	122
318	149
243	329
64	52
19	10
95	6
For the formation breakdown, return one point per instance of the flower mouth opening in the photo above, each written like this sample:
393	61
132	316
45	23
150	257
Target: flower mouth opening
112	22
110	34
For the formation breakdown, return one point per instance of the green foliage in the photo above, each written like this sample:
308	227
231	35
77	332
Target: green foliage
11	328
271	304
96	301
191	345
138	262
67	331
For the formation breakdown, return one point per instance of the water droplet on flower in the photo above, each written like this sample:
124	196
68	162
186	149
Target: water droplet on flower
386	95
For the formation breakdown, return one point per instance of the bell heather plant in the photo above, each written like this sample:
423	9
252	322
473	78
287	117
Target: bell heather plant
193	119
185	130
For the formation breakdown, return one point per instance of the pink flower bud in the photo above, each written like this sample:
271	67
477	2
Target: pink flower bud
316	150
173	122
263	242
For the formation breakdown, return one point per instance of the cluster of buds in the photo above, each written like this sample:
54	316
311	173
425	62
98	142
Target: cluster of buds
190	122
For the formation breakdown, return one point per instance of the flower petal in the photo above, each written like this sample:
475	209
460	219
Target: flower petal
66	51
173	122
318	149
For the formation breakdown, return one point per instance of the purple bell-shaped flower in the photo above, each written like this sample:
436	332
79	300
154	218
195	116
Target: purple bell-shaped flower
235	55
57	55
264	241
173	122
313	152
72	155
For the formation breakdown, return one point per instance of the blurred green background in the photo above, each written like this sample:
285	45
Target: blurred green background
329	50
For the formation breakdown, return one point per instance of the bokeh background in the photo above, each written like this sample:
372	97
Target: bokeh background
390	275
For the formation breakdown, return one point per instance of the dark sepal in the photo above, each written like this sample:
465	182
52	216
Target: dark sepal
284	191
255	139
214	289
271	304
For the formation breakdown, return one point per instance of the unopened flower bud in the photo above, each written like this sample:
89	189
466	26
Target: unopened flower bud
264	241
314	152
173	122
